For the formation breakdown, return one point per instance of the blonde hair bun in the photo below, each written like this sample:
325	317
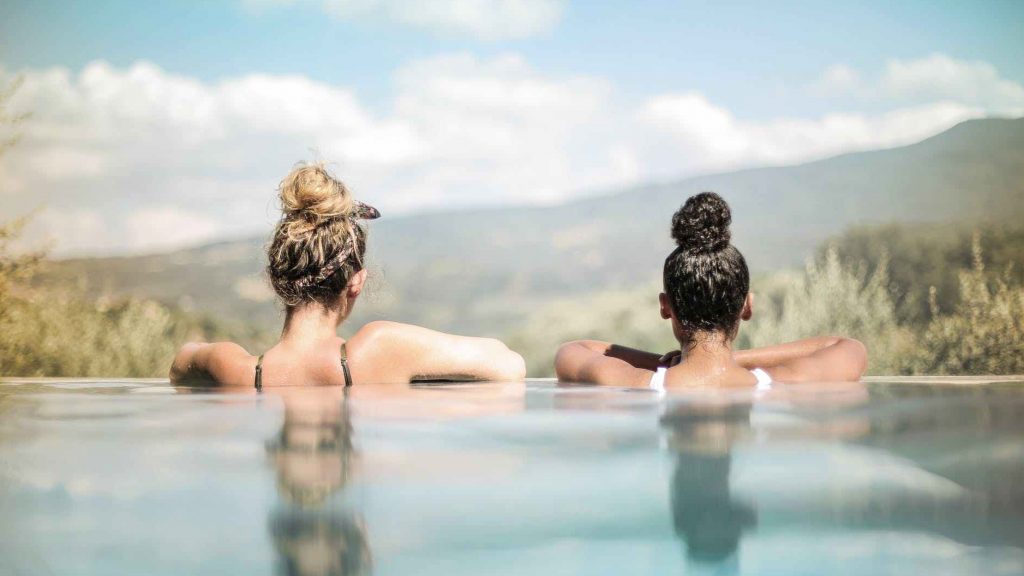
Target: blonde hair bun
310	196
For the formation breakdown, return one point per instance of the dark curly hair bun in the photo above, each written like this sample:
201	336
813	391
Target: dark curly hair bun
701	226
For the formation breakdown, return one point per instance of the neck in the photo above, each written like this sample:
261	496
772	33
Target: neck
708	349
311	322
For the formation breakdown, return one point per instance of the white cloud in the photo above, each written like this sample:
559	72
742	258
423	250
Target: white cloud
933	78
168	226
704	136
942	77
138	159
498	129
837	79
481	19
118	143
85	230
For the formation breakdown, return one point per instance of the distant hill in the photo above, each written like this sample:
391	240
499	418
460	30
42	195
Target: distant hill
479	270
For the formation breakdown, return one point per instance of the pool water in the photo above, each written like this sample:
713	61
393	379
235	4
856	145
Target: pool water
885	477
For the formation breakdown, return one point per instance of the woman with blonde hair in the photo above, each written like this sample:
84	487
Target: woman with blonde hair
316	267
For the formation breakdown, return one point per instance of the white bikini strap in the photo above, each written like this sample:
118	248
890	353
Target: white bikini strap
764	380
658	380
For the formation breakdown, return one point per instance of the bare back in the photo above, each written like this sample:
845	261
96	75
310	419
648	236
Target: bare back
380	352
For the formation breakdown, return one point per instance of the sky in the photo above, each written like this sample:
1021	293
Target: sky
162	124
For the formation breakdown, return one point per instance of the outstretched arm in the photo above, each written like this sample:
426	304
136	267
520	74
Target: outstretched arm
824	358
599	362
394	352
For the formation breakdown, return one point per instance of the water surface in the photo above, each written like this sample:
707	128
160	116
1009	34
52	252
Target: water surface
136	477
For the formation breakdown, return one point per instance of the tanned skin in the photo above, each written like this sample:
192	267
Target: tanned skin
308	353
708	359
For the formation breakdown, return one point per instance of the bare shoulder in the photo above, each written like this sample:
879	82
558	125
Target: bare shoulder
376	353
378	329
389	329
225	363
372	336
387	336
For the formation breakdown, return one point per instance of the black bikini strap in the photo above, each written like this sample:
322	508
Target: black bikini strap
344	366
259	374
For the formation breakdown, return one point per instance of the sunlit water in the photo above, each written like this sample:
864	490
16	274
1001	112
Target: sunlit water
111	478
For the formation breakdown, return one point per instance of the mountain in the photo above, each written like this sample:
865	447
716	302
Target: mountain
481	271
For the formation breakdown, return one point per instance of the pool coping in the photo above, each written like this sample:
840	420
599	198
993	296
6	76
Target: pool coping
973	380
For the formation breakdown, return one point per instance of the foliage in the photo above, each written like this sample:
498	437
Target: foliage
65	336
50	332
922	256
15	266
984	333
53	333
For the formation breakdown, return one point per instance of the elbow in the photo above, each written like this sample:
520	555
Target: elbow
564	366
517	367
858	357
182	363
511	367
862	357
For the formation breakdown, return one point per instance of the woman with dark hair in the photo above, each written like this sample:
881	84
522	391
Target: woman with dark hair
707	294
315	265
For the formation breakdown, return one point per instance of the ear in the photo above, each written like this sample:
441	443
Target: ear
666	308
748	307
356	282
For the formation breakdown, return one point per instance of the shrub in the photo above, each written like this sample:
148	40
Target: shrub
15	267
61	333
924	255
984	333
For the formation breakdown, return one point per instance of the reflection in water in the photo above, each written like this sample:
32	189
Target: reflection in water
313	456
707	517
969	437
321	543
945	462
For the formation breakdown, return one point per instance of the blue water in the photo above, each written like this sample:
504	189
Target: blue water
136	477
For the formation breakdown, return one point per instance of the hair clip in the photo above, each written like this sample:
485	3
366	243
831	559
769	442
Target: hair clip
364	211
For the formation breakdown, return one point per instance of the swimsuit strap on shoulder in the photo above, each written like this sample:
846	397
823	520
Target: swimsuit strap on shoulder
657	382
344	366
259	374
764	380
